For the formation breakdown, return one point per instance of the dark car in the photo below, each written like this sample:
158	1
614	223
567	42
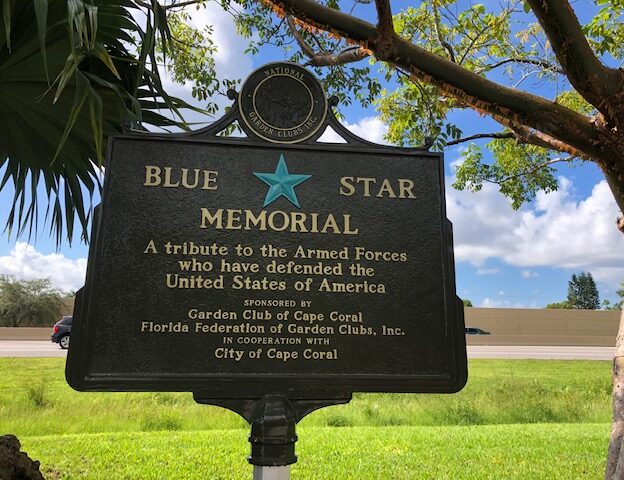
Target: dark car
475	331
61	332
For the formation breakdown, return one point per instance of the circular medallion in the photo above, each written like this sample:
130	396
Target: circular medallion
283	103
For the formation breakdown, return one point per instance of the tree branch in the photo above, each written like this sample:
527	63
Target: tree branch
535	168
385	24
182	4
436	25
617	187
499	135
482	30
526	135
541	121
348	55
543	140
170	6
320	46
385	33
307	50
540	63
324	59
599	85
475	91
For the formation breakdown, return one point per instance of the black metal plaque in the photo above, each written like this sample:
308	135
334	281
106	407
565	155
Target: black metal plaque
237	267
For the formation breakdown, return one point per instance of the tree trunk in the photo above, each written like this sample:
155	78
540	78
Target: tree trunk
615	457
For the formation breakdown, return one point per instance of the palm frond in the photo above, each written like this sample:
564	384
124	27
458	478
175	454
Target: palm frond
53	134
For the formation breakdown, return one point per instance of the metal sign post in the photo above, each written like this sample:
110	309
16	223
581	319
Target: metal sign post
271	473
270	274
273	438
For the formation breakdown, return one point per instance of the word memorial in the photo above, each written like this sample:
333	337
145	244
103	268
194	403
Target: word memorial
269	272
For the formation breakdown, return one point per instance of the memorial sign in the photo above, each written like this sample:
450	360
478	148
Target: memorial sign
239	267
236	268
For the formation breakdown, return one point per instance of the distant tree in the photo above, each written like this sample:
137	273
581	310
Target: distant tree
582	292
28	302
607	305
565	305
467	303
618	305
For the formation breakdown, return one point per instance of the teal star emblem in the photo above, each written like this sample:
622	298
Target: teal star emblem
281	183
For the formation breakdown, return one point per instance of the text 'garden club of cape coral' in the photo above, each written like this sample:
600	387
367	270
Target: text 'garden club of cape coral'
281	183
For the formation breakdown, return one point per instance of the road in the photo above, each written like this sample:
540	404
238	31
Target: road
48	349
541	352
19	348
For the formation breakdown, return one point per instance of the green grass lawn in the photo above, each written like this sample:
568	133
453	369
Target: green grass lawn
35	401
527	419
501	452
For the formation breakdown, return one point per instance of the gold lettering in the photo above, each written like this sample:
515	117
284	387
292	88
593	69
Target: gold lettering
342	254
298	222
330	223
167	182
152	176
367	183
285	221
233	220
385	187
406	188
314	228
277	220
211	218
257	221
185	182
210	180
348	189
151	248
347	226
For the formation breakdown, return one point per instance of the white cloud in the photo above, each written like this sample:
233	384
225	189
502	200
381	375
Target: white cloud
488	271
529	274
555	231
460	150
230	60
369	128
491	303
331	136
26	263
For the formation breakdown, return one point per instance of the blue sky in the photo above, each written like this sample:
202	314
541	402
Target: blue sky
504	258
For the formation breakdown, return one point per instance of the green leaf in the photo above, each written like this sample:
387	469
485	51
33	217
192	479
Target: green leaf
73	60
160	24
527	7
101	53
77	201
92	15
6	16
7	174
69	211
80	96
76	13
47	131
41	16
147	45
95	116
